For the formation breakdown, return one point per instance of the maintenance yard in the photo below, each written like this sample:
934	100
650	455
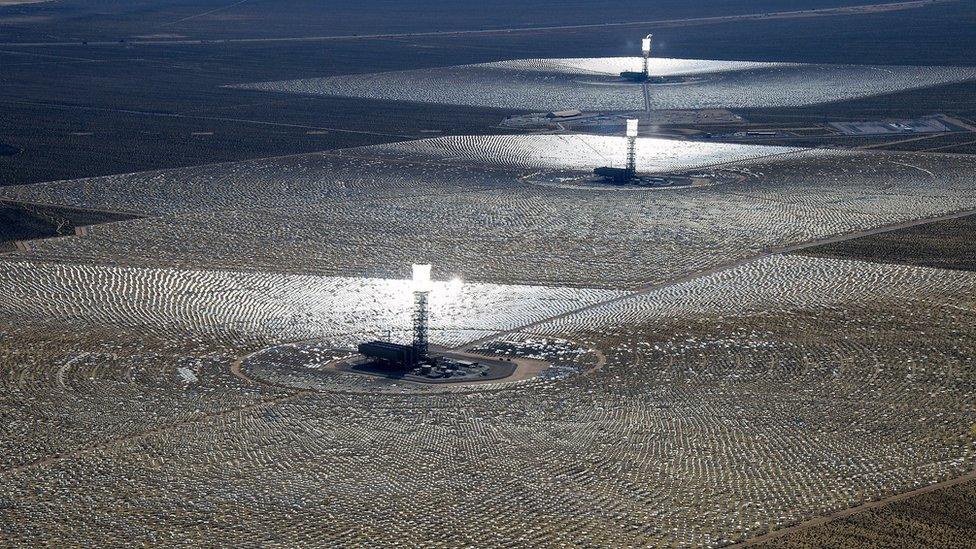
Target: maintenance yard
599	122
930	124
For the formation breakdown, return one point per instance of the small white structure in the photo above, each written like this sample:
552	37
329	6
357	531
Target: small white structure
568	113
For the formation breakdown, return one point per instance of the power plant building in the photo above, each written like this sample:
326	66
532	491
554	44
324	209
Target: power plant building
394	354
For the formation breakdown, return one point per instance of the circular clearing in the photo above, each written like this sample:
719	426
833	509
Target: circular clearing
652	182
313	366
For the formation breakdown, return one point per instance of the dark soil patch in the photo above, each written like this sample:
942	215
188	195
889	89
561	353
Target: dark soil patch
942	518
27	222
949	244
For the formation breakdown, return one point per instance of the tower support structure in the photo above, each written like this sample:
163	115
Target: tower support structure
421	291
632	147
420	317
632	155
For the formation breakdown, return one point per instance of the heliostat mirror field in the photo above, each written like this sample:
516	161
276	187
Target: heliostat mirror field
593	84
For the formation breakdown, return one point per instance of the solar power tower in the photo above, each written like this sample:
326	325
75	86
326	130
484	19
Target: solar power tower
632	146
628	174
646	49
421	291
644	74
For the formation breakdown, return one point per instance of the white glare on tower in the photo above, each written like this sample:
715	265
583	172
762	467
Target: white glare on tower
632	146
646	49
421	289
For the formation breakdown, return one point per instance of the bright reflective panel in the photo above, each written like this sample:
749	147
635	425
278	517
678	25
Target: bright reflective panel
632	127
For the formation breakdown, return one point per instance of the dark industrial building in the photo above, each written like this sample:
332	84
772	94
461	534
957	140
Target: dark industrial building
391	354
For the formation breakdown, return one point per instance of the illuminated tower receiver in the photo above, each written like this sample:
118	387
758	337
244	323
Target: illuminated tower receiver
646	49
632	146
421	290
